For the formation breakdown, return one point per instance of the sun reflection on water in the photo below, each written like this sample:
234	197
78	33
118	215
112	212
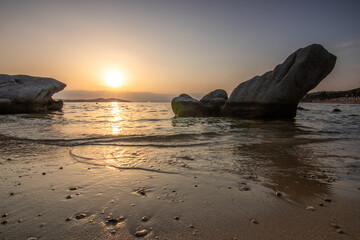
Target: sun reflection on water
116	119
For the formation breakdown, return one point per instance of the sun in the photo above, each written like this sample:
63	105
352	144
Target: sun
114	78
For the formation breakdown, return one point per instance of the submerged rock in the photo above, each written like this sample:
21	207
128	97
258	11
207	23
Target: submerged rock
209	105
25	94
277	93
274	95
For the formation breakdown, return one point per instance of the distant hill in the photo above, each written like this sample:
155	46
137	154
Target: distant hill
332	95
96	100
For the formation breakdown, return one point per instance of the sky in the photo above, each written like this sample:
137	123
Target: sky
172	46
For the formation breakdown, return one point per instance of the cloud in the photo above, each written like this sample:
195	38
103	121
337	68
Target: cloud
347	44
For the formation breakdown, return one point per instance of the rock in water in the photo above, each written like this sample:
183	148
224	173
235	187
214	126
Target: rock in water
25	94
209	105
277	93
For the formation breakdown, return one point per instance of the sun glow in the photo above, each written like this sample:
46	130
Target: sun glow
114	78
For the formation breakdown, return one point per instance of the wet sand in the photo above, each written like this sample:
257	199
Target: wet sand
47	194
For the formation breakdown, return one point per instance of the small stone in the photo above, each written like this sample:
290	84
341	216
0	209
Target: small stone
141	191
80	216
144	219
195	185
176	218
141	233
244	188
254	221
68	219
113	231
73	188
334	225
340	231
229	187
191	226
32	238
133	205
12	194
4	222
61	168
20	220
327	199
9	159
42	225
321	204
114	220
44	173
278	194
40	214
336	110
5	215
310	208
112	201
68	197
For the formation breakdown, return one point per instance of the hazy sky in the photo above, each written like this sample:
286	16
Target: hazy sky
166	46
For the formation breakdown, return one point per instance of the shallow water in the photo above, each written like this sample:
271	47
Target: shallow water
315	149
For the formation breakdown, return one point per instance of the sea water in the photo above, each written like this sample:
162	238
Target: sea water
320	143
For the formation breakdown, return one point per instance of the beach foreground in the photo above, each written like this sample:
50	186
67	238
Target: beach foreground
36	180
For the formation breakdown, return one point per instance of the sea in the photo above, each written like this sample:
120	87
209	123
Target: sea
322	143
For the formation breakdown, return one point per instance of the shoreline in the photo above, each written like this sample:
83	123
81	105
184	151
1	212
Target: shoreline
36	185
345	100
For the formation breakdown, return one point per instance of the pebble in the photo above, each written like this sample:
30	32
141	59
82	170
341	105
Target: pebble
336	110
254	221
4	222
44	173
244	188
80	216
40	214
32	238
141	233
340	230
113	232
191	226
321	204
5	215
12	194
278	194
68	219
334	225
327	199
112	220
20	220
195	185
176	218
141	191
144	219
310	208
42	225
9	159
60	167
73	188
68	197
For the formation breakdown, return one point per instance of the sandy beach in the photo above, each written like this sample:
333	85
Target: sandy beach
46	194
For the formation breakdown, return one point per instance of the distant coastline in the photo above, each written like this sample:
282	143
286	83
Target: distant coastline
345	97
96	100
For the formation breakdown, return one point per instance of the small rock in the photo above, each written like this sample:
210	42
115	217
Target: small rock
40	214
42	225
340	231
80	216
191	226
68	197
254	221
327	199
61	168
73	188
244	188
336	110
141	233
20	220
334	225
9	159
68	219
32	238
4	222
176	218
5	215
141	191
44	173
278	194
144	219
113	231
114	220
321	204
195	185
12	194
310	208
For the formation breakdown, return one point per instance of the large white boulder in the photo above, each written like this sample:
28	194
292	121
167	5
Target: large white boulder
24	94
